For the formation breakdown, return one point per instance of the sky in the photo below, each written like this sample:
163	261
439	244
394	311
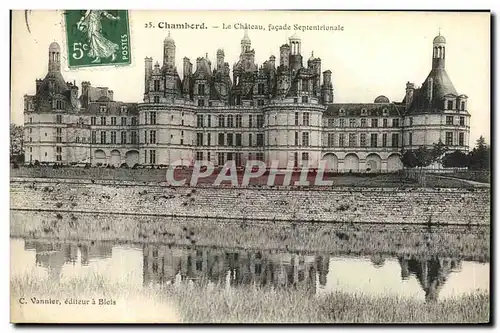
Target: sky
376	53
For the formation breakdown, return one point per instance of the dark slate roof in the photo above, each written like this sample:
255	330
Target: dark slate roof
441	86
372	109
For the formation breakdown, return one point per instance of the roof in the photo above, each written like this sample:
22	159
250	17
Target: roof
356	109
439	40
441	86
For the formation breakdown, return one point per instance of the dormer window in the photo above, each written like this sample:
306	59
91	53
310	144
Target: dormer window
462	105
384	112
103	109
363	112
450	105
123	109
342	112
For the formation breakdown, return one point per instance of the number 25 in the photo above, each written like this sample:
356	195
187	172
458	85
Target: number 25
78	49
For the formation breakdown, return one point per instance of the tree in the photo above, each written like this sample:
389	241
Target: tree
424	156
409	159
479	157
438	150
16	143
457	159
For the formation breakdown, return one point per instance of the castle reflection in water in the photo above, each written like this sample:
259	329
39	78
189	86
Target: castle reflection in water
164	264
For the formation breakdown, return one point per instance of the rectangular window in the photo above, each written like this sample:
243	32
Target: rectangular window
103	120
221	139
133	137
260	121
331	140
59	119
220	158
260	102
296	119
410	139
362	139
305	139
156	99
113	137
145	136
260	89
152	136
363	122
103	137
384	140
209	139
395	140
238	159
93	120
296	138
260	139
384	122
411	121
260	156
124	121
449	120
250	140
373	140
124	137
156	85
93	137
208	156
450	105
201	102
230	141
331	122
152	157
305	119
462	121
199	156
201	89
134	121
238	139
305	156
449	139
352	140
352	122
295	159
305	99
230	122
59	152
199	139
209	121
221	120
238	120
113	121
250	120
342	122
152	118
375	122
461	139
58	135
199	120
395	122
462	106
341	140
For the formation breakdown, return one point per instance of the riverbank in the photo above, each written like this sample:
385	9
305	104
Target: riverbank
467	242
242	304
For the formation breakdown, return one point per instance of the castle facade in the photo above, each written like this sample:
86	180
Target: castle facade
282	110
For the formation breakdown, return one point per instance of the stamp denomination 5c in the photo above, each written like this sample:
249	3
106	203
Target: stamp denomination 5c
97	37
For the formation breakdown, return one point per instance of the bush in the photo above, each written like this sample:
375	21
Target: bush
37	163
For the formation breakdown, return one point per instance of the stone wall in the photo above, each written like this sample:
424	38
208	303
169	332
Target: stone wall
343	204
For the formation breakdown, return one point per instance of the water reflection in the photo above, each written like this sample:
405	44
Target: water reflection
431	274
163	264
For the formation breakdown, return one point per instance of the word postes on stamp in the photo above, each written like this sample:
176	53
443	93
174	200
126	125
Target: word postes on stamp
97	37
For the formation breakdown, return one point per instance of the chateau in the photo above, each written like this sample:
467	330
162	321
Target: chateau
282	110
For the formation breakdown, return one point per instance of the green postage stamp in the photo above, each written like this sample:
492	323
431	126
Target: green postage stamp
97	37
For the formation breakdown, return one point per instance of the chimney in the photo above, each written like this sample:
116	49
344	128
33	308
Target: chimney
410	88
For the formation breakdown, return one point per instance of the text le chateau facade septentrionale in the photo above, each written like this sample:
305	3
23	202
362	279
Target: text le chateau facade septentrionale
278	111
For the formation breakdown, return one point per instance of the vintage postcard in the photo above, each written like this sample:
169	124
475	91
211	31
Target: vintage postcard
250	167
